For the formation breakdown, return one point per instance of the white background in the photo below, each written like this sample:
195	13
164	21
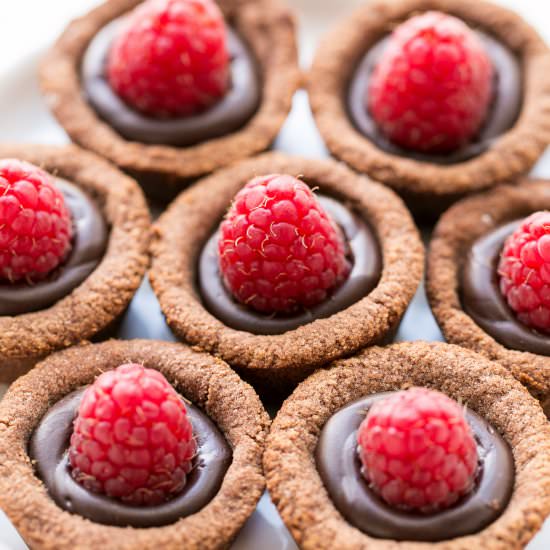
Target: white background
28	26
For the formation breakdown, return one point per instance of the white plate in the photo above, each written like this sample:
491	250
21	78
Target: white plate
24	118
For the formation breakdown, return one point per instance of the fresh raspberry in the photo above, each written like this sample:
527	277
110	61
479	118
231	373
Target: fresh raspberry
35	224
132	439
417	450
278	248
524	271
171	58
431	90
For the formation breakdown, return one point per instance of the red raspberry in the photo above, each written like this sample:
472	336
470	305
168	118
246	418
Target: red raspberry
524	271
132	438
431	90
35	224
278	248
417	450
171	58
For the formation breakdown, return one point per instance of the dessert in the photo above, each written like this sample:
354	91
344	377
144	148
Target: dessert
174	89
115	447
293	278
486	279
413	442
436	99
74	243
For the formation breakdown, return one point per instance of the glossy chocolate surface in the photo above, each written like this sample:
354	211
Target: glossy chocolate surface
364	252
483	301
48	447
227	115
88	248
505	109
340	469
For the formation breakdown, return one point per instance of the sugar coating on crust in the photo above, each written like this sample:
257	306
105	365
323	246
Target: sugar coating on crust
266	25
105	294
512	154
206	381
453	237
298	491
289	357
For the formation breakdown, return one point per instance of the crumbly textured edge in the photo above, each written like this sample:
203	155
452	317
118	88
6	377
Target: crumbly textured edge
266	25
453	236
511	155
206	381
298	491
106	293
291	356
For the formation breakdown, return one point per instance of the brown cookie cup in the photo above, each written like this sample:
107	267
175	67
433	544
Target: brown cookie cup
453	237
289	461
427	187
279	361
267	27
207	382
96	304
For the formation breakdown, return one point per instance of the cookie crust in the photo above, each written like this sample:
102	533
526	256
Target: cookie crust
453	237
286	358
95	304
266	25
296	487
207	382
427	187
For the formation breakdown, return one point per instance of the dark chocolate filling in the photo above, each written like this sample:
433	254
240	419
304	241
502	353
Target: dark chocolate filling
48	447
506	103
227	115
340	469
483	301
364	253
88	247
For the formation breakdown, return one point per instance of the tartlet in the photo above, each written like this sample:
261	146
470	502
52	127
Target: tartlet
280	360
268	29
295	484
94	305
454	236
206	381
427	186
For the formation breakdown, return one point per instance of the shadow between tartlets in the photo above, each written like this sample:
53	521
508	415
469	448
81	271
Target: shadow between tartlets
279	361
207	382
295	484
452	239
266	25
427	187
97	303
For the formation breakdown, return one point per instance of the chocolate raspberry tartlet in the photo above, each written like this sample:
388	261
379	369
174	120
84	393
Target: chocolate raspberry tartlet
301	271
139	444
435	98
416	444
174	89
488	279
74	239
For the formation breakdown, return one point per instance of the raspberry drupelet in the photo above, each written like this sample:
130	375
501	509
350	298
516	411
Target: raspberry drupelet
132	438
171	58
279	251
524	272
417	450
35	224
432	87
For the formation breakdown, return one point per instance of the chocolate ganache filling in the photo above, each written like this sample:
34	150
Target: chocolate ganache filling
363	252
49	449
229	114
339	466
88	248
483	301
502	116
